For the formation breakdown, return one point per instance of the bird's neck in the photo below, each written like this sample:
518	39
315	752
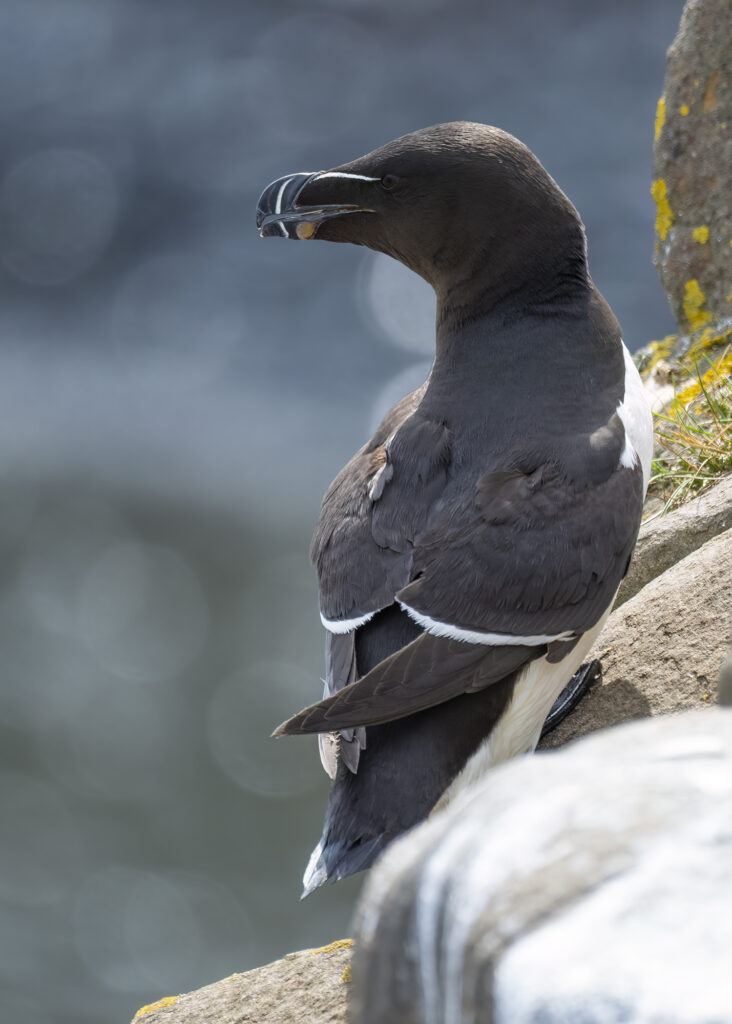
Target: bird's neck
514	350
549	281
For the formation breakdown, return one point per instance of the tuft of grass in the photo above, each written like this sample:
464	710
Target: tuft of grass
694	436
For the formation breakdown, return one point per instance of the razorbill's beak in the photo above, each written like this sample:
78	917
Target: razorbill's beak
282	211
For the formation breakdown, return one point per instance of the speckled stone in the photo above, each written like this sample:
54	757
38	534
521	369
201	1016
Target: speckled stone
661	651
310	986
692	174
665	540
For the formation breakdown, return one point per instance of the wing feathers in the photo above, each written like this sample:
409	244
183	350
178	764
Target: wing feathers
428	671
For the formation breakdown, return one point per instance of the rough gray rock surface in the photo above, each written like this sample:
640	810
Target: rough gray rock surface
693	168
309	987
662	650
665	540
591	885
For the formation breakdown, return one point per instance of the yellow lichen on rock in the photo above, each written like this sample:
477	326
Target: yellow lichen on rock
660	118
338	944
694	299
160	1005
707	339
664	213
684	110
720	368
346	973
701	234
647	357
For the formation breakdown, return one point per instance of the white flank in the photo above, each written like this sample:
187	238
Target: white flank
342	174
635	413
519	728
471	636
345	625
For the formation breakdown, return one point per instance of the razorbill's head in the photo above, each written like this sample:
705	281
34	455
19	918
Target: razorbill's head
450	202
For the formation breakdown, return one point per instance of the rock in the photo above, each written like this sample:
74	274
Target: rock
667	367
665	540
692	176
661	651
591	885
308	987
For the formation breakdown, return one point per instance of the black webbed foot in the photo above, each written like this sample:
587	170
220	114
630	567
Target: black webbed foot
582	681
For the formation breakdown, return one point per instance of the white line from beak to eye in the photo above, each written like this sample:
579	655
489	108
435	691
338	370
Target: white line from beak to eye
343	174
278	204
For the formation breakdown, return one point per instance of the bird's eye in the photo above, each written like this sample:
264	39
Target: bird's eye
389	181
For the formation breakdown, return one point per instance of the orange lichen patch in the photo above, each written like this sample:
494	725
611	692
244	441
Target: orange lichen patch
701	234
694	299
338	944
660	118
664	213
710	94
684	110
160	1005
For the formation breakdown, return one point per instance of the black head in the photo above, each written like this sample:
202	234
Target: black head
454	202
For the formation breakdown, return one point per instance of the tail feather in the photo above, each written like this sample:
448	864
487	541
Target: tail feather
405	769
340	859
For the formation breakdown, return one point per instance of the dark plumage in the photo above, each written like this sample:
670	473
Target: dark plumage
469	552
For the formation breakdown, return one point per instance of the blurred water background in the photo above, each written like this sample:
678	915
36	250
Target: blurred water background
175	396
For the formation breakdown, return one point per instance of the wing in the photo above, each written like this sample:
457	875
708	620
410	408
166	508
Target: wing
428	671
505	553
541	555
363	543
343	540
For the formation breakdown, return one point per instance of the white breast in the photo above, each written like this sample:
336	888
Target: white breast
635	412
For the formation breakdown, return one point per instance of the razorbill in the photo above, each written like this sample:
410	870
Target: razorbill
469	554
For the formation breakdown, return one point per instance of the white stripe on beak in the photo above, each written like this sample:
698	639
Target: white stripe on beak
343	174
278	204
